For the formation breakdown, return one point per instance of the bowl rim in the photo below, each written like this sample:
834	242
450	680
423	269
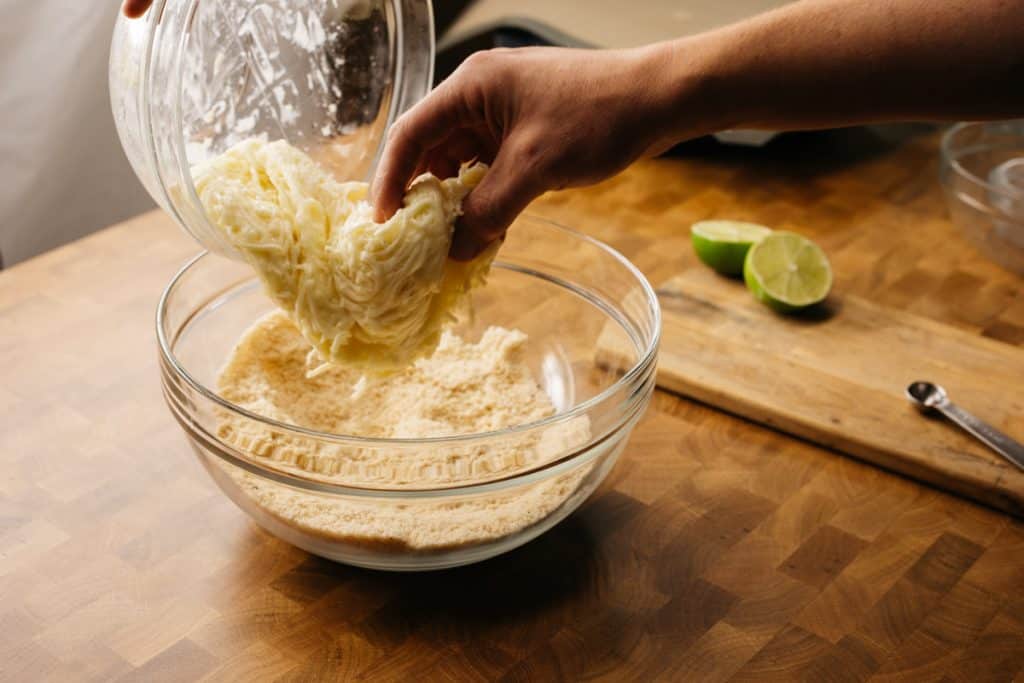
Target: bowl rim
629	378
947	144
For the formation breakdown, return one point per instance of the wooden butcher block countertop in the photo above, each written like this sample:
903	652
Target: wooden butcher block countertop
718	550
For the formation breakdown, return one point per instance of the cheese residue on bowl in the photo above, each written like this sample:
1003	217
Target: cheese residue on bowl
373	296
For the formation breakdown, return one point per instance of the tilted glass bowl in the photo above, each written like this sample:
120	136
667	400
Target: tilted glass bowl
193	78
566	291
982	172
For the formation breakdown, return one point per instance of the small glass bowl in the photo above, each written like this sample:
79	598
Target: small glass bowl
982	172
566	291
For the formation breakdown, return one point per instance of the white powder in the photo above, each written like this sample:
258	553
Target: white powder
462	388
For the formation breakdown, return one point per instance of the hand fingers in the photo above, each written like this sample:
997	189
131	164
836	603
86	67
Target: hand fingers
442	166
492	205
414	134
133	9
462	146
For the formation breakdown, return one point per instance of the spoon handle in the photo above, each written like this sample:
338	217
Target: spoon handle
992	437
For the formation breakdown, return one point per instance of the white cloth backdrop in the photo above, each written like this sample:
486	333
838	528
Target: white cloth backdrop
62	171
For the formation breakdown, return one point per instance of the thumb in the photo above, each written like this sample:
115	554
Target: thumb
491	206
133	9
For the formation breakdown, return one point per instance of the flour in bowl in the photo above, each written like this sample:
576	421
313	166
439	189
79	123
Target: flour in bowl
461	388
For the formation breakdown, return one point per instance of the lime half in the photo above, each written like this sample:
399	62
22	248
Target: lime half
787	272
723	245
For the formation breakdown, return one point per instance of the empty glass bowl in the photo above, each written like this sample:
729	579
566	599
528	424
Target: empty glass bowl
982	171
566	291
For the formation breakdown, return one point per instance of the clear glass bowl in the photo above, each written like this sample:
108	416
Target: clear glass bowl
563	289
982	172
194	77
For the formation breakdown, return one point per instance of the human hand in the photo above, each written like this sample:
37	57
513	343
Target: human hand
133	9
543	118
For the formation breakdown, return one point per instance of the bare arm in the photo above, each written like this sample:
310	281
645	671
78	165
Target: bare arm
826	63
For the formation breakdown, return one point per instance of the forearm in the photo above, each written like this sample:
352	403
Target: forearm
825	63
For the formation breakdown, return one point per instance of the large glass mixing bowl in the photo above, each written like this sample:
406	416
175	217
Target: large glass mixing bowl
566	291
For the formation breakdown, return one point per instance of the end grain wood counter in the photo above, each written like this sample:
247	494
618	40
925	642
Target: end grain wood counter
718	550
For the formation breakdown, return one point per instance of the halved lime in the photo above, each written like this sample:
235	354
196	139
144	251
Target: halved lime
723	245
787	272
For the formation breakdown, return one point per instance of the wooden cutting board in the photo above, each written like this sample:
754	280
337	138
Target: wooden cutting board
837	377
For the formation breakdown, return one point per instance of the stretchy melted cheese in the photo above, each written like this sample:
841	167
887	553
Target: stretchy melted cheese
370	295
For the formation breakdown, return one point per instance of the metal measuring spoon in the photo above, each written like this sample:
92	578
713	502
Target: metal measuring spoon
930	396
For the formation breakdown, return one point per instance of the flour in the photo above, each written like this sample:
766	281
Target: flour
462	388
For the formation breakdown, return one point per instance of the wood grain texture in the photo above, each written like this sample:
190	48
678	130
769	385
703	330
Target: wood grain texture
717	550
836	375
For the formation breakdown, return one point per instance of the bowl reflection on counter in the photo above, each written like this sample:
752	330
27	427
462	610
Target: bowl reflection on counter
563	289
